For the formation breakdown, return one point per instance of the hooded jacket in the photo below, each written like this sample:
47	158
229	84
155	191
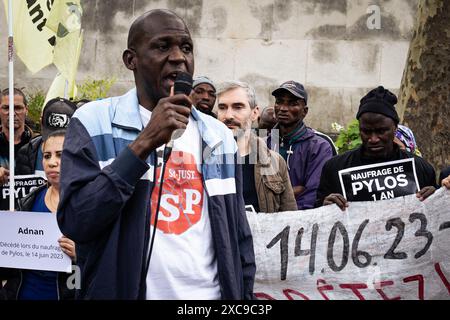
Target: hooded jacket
306	156
105	205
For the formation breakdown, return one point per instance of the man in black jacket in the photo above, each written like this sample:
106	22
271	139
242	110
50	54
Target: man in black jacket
55	116
378	124
22	134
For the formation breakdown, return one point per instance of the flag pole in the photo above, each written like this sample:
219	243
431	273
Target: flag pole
66	89
11	105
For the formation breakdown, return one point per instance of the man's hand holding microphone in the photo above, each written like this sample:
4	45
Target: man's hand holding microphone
169	115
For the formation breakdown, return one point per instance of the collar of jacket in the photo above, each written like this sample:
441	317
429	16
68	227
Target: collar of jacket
127	116
394	155
308	135
26	136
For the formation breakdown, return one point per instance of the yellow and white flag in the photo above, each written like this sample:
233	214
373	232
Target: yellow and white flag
65	21
34	43
64	83
60	88
65	17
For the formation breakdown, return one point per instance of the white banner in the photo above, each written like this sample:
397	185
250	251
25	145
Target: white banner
391	250
29	240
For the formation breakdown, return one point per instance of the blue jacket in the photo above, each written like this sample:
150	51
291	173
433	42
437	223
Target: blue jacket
105	199
305	160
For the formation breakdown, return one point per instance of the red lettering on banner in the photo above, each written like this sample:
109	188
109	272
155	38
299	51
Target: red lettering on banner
288	292
355	287
325	287
262	295
444	280
379	285
418	278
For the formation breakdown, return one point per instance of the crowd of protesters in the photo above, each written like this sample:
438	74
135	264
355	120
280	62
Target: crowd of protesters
105	163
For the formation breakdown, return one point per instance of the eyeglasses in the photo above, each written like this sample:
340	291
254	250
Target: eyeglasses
17	109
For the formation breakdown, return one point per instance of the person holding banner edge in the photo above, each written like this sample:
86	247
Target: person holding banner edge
378	123
446	182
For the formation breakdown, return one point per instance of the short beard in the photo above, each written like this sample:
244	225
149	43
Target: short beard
238	133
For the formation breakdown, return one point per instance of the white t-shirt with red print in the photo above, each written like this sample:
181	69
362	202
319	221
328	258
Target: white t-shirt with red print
183	263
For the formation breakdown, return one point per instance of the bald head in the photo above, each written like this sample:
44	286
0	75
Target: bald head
149	21
159	47
267	119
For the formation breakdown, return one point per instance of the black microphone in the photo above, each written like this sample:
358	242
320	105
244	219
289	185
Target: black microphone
182	85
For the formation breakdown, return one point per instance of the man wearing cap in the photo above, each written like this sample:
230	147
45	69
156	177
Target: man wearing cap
55	116
203	95
378	121
22	133
305	152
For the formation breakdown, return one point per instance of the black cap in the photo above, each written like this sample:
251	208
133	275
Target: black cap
379	100
56	115
297	89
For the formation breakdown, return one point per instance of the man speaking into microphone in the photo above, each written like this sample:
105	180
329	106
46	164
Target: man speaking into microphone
148	226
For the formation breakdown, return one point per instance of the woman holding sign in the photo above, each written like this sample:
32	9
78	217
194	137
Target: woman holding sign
35	284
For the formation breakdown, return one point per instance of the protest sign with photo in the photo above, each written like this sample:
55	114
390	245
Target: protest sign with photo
23	186
391	250
380	181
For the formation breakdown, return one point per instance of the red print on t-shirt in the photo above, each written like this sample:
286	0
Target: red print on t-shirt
182	194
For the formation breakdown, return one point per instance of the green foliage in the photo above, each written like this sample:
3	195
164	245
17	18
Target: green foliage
36	101
349	138
95	89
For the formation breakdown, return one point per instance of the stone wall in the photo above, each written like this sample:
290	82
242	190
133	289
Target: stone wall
324	44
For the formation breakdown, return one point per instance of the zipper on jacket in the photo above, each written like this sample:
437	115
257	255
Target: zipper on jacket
219	274
148	227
